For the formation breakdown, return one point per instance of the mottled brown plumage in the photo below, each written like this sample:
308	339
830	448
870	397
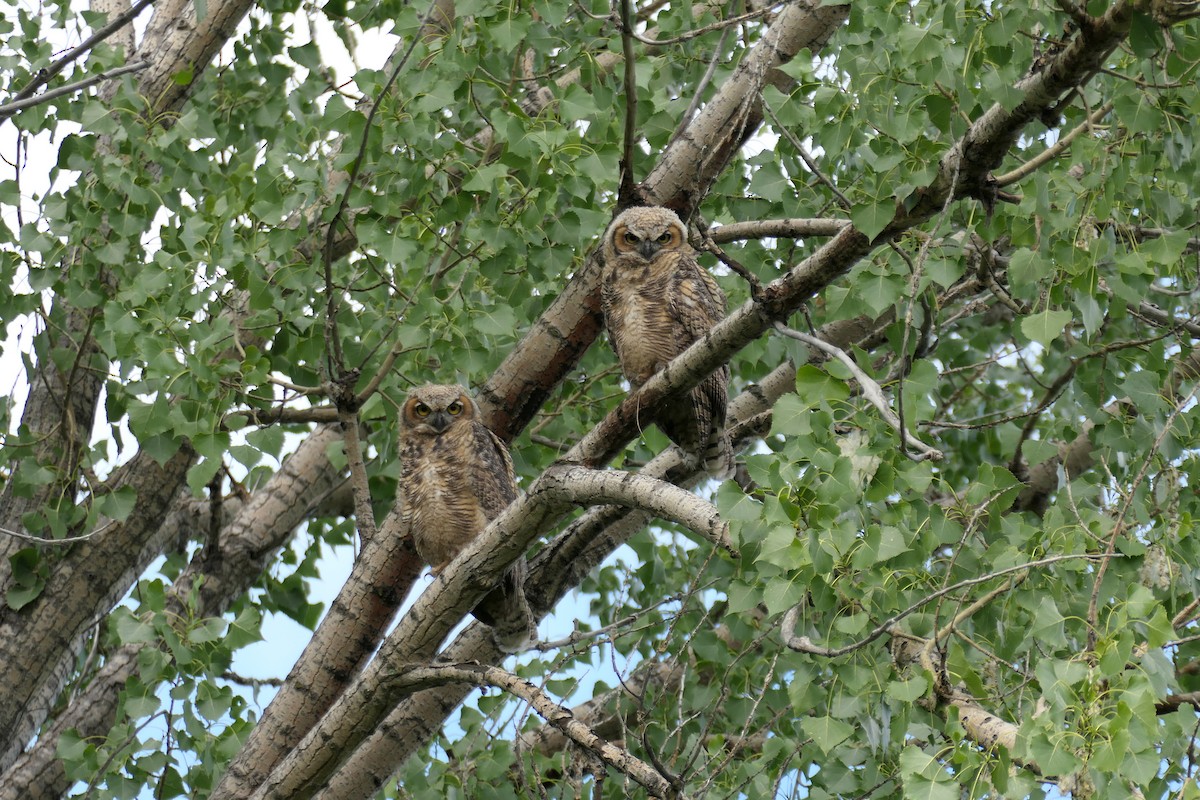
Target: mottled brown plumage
657	301
456	477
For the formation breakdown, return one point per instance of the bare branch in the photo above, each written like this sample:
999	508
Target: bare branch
557	715
43	76
666	500
870	389
8	109
777	229
804	644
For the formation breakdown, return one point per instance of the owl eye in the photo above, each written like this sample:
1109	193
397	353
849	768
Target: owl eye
630	238
454	408
666	237
421	410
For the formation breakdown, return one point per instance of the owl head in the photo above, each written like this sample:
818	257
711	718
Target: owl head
432	408
641	232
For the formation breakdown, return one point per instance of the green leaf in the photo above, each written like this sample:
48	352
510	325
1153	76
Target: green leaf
1046	326
132	630
28	578
118	504
924	778
871	219
209	630
908	691
826	732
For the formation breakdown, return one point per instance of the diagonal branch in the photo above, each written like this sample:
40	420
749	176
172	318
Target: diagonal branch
8	109
649	494
557	715
46	74
803	644
870	389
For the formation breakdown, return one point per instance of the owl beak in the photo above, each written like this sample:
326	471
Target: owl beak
648	247
439	421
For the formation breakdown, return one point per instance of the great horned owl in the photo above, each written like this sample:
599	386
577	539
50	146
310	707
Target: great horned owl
457	476
657	301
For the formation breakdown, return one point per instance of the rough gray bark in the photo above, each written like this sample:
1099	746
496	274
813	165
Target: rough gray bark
247	546
60	413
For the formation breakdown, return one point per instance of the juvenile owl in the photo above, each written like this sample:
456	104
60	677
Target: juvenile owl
457	476
657	301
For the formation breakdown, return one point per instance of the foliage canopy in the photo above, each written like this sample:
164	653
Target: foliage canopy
988	208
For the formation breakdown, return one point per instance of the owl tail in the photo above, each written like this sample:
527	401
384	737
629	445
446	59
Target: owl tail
507	611
718	454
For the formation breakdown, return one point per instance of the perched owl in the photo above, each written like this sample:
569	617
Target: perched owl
658	301
457	476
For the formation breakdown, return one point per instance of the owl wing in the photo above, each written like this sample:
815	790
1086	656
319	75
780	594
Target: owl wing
697	304
505	608
491	472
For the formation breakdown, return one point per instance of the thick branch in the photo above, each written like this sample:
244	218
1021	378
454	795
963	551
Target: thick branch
662	499
682	177
457	589
247	544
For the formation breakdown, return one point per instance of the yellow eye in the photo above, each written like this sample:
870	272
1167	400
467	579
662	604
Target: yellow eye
455	408
666	237
421	410
630	238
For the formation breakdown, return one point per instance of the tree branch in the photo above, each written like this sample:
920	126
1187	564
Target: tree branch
649	494
8	109
870	389
557	715
46	74
803	644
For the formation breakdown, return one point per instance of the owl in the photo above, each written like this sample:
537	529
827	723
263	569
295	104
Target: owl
456	477
657	301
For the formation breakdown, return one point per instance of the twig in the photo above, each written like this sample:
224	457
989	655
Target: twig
254	683
625	190
8	109
557	715
804	644
970	610
1055	149
578	636
65	540
870	389
808	160
1110	551
733	264
364	516
705	79
43	76
692	34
